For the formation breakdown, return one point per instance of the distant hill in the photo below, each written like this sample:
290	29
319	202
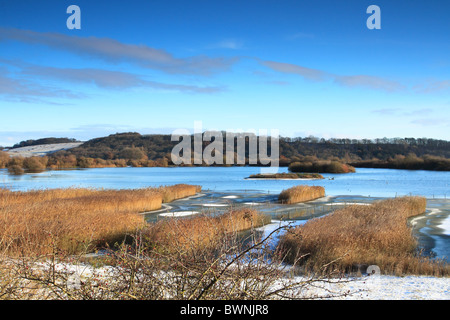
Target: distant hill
134	149
115	146
42	141
41	149
132	146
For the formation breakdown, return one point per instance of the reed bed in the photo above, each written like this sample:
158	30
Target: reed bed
178	191
357	236
202	231
301	194
76	219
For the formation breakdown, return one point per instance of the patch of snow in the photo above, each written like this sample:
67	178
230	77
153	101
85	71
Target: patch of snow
382	287
445	226
42	149
178	214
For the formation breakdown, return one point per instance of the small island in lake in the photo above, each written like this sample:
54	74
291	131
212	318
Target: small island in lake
286	176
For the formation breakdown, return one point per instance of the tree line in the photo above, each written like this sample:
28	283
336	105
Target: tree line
134	149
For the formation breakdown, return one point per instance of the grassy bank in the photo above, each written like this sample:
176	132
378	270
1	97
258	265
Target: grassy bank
74	220
360	236
301	194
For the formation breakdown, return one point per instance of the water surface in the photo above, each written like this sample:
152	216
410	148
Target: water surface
364	182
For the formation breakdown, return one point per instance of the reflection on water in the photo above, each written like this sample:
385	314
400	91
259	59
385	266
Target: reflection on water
225	188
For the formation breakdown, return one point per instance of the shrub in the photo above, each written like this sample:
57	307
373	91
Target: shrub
16	169
4	159
35	164
132	153
321	167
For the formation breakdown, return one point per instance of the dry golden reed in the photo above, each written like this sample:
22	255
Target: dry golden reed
178	191
301	194
202	231
76	219
377	234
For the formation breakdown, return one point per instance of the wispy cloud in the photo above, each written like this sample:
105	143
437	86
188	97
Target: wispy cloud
279	82
402	112
387	111
109	79
418	112
433	86
115	51
424	117
431	122
308	73
232	44
24	90
24	85
368	81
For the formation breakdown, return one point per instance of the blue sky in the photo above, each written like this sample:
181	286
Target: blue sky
301	67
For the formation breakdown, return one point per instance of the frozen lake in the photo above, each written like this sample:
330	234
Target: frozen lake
224	187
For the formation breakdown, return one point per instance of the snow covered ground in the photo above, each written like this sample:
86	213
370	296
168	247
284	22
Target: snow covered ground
376	287
43	149
387	288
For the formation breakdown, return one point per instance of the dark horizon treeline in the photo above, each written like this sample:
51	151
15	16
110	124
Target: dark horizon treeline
134	149
310	139
37	142
117	146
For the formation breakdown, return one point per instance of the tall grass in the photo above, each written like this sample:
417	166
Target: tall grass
178	191
301	194
202	231
362	235
71	219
